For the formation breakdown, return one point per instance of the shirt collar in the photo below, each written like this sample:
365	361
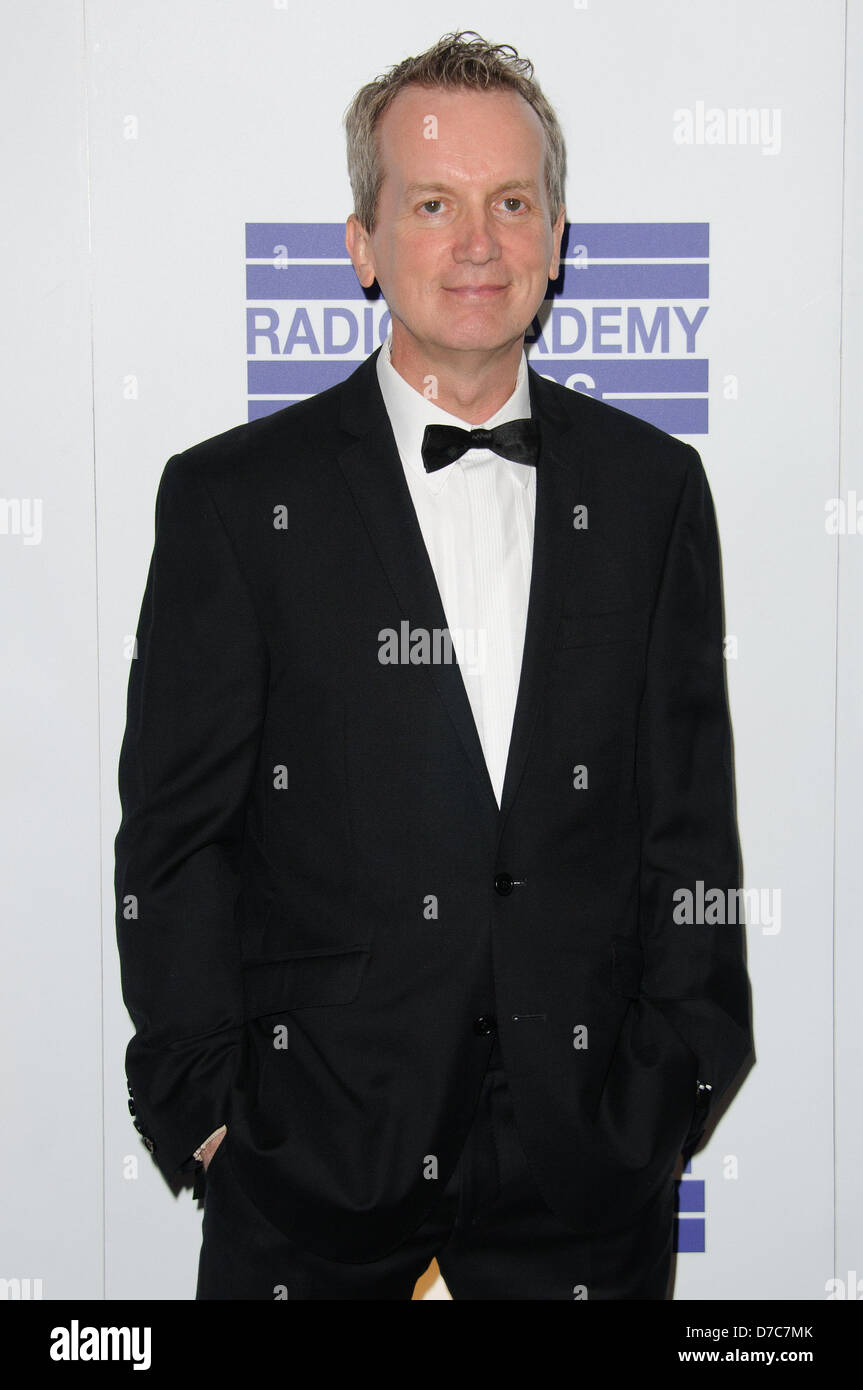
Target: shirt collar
410	411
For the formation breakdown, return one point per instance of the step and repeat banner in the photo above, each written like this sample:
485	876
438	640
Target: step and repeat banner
175	265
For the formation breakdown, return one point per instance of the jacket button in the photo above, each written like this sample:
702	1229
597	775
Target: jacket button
132	1109
503	884
148	1144
485	1026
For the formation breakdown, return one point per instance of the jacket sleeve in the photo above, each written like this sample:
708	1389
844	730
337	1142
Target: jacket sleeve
195	708
694	971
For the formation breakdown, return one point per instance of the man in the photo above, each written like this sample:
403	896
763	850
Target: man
426	731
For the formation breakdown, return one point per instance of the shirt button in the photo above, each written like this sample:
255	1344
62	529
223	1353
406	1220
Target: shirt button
503	884
484	1026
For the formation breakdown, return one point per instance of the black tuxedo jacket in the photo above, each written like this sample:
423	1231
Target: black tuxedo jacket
322	914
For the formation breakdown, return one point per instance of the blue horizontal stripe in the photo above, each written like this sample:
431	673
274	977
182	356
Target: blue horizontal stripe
690	1235
690	1195
290	377
616	282
629	240
612	282
629	374
302	239
675	417
297	378
303	282
623	240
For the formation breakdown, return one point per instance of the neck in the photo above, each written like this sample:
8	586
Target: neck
471	385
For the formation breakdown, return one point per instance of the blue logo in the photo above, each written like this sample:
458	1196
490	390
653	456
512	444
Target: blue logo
624	323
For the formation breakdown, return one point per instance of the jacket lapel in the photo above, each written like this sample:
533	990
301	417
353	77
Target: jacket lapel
373	471
558	475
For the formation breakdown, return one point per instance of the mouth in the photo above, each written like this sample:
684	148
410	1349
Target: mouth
475	291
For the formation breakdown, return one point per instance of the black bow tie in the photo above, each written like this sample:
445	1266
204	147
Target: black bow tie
517	440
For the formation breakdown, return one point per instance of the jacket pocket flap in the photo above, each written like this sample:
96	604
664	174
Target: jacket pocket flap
627	966
303	981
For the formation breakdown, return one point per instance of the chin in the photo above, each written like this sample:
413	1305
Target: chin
483	329
457	332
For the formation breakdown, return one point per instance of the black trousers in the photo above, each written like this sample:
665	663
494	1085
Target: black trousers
492	1234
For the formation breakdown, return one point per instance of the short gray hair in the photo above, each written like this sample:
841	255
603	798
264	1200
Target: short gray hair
456	60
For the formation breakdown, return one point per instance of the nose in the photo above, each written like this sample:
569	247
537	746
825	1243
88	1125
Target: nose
476	236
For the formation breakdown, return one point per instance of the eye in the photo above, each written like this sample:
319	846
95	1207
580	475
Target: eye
431	201
514	199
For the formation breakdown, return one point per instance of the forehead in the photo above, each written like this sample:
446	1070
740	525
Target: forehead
467	132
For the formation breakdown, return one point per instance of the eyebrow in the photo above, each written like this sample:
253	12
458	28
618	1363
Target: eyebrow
412	189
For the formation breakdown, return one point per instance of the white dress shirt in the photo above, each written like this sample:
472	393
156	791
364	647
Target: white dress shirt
477	517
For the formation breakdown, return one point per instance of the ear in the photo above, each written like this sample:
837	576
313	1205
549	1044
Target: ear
359	247
556	238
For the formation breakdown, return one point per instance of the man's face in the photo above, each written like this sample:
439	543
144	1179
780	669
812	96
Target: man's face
464	246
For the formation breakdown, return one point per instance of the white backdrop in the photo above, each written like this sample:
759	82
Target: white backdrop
139	141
